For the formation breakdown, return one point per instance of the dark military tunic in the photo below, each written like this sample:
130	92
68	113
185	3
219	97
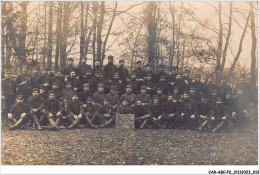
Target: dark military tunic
19	108
131	98
109	71
124	110
123	74
52	106
68	69
113	99
145	99
83	96
99	97
36	103
75	108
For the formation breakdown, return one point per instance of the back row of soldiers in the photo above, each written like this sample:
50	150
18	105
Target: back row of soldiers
86	97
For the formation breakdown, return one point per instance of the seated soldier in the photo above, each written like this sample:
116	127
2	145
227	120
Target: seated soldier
162	98
172	112
113	98
149	83
156	113
176	95
67	97
106	115
124	108
99	96
129	96
85	93
75	82
91	112
144	97
218	120
117	83
188	113
203	109
75	111
43	92
36	103
18	114
57	91
228	104
53	110
141	115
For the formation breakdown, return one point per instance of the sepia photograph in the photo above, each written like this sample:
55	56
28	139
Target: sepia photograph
129	83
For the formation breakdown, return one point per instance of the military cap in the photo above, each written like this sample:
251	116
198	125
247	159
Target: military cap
70	59
51	92
100	84
110	57
85	84
198	76
35	89
186	92
121	61
20	96
138	62
113	88
143	87
129	86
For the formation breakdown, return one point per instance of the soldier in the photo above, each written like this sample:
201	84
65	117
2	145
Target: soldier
162	98
198	84
31	64
156	113
188	113
90	80
218	120
35	76
36	104
19	113
144	97
160	74
53	111
228	104
75	111
8	92
123	72
57	91
91	112
141	115
113	98
100	79
67	70
99	96
225	88
24	84
176	95
67	97
83	67
203	109
172	112
124	108
213	97
164	85
136	85
106	116
43	92
97	67
139	72
186	78
245	87
129	96
75	82
148	70
194	95
118	83
110	69
149	83
179	84
171	77
209	85
59	79
85	93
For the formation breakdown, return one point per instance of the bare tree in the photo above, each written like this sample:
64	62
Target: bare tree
58	34
49	60
253	50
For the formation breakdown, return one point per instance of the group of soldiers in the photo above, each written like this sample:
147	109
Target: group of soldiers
83	96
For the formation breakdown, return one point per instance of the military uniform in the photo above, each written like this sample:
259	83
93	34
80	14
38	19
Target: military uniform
75	113
99	96
113	99
144	98
68	69
141	116
8	93
123	73
110	69
172	113
91	112
156	114
203	112
198	84
129	97
188	114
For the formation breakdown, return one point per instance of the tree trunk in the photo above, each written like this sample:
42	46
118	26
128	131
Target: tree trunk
22	38
58	35
173	33
82	32
99	29
9	36
86	30
49	60
45	29
3	11
94	9
227	40
253	49
239	49
66	15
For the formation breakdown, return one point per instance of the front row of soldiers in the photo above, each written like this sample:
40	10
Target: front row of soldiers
173	111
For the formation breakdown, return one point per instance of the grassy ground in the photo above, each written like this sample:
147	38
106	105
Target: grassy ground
138	147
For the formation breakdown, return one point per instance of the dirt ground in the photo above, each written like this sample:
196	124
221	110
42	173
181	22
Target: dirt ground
137	147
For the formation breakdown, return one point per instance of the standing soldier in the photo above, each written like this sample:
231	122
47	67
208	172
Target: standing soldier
171	77
188	113
67	70
53	110
75	111
8	92
123	73
35	76
36	104
225	88
110	69
209	85
59	79
218	120
24	84
83	67
99	96
203	109
31	64
144	97
57	91
245	87
179	84
118	83
113	98
129	96
85	93
75	82
187	79
44	80
139	72
136	85
162	98
164	85
198	84
91	112
19	113
97	67
124	108
149	83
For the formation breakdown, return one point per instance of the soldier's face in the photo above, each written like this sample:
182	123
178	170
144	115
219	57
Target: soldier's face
219	102
178	77
159	91
185	96
97	63
143	91
54	86
86	88
149	78
75	98
214	94
24	70
139	103
204	100
70	62
51	96
192	91
170	98
197	78
148	68
133	76
89	101
112	91
68	86
72	74
239	91
30	61
42	91
110	61
58	74
124	103
162	80
19	100
128	90
122	64
228	96
156	101
106	102
176	91
88	73
100	88
35	93
116	76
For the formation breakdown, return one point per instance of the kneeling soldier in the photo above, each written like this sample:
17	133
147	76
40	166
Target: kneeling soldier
203	109
91	112
141	114
106	114
36	103
75	111
172	112
218	120
53	111
19	113
156	113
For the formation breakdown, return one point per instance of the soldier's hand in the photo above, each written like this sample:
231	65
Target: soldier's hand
75	89
171	115
201	116
10	116
212	118
84	105
79	116
34	110
234	114
224	118
192	116
159	118
50	114
58	113
154	118
245	111
23	115
182	114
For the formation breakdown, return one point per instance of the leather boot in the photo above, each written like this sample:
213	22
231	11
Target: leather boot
53	124
17	124
36	122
